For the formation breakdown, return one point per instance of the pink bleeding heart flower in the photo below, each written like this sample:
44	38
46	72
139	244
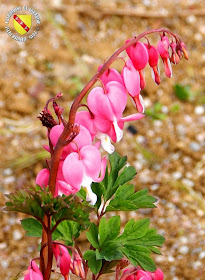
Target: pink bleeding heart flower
139	56
132	83
33	272
85	119
107	108
131	78
63	258
153	62
110	75
83	168
174	57
157	275
42	178
163	49
143	275
82	139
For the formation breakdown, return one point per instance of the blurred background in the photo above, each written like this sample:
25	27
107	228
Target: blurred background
166	148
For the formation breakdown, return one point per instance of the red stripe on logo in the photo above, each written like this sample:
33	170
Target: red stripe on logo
25	27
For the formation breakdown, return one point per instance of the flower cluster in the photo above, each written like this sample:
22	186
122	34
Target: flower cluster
140	274
81	162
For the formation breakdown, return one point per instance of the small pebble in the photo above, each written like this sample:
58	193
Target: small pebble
196	265
202	255
176	175
188	182
17	235
184	250
194	146
3	245
170	259
199	110
154	187
4	264
7	171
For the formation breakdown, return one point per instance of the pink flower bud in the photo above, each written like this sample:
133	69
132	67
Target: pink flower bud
139	56
78	266
183	46
153	61
33	272
163	49
174	57
63	258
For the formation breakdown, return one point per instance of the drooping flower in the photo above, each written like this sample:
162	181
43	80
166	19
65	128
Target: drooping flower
174	57
107	108
111	74
33	272
131	79
83	168
163	49
85	119
63	258
139	56
82	139
141	274
153	62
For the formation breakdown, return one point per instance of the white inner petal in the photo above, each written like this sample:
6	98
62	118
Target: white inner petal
118	131
105	142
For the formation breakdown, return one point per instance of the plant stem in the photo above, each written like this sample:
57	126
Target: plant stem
49	251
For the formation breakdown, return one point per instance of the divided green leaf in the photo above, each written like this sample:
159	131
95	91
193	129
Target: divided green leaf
93	263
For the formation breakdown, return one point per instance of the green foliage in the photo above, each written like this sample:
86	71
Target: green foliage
156	112
126	199
37	202
32	227
183	93
117	177
137	242
93	263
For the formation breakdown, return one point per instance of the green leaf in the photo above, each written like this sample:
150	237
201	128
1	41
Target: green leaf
67	231
138	255
114	181
102	230
182	92
125	199
32	227
94	264
99	190
134	230
38	201
110	251
109	230
92	235
81	194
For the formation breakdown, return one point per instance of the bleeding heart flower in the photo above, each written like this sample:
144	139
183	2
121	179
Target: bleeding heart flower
63	258
33	272
139	56
163	49
131	78
153	62
110	75
174	57
83	168
85	119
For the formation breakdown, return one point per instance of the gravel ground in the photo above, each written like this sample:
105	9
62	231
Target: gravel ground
168	152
